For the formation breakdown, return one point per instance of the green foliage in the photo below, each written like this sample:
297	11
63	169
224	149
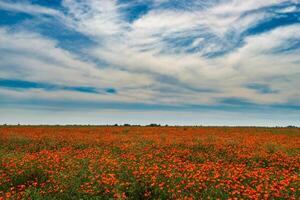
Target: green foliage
32	174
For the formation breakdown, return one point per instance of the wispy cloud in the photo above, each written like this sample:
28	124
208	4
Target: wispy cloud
26	7
162	52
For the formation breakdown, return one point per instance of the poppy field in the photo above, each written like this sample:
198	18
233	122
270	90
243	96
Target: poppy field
149	162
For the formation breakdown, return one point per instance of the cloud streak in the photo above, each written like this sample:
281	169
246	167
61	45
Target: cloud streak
28	8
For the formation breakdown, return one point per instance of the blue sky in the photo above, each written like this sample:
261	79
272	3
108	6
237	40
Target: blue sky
219	62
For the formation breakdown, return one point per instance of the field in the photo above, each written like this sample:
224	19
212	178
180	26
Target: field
149	163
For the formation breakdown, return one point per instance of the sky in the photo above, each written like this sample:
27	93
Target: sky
177	62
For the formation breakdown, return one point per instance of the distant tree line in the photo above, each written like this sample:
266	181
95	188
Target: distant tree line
149	125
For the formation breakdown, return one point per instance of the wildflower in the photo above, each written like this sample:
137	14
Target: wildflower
8	195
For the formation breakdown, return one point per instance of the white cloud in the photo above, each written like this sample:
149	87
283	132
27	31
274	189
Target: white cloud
289	9
28	8
94	17
31	57
138	55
